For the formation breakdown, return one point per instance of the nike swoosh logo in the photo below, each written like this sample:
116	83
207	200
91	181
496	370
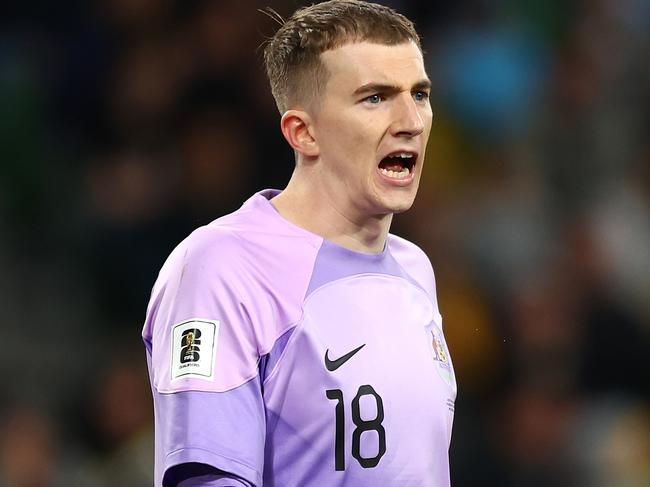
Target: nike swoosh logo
332	365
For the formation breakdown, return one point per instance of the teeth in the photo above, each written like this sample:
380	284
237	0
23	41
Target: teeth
403	155
401	174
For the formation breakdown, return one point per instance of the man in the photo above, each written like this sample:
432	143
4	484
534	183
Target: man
295	342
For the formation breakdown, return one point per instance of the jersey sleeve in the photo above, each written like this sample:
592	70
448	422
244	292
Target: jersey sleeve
196	475
210	481
202	351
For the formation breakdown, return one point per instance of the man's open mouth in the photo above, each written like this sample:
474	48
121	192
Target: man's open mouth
398	165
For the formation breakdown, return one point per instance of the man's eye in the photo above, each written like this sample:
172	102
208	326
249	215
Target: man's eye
374	99
421	95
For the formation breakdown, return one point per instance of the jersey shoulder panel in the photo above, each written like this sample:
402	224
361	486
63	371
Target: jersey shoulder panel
195	262
414	262
278	260
200	291
244	277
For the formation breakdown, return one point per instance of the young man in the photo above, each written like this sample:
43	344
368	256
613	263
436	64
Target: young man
295	342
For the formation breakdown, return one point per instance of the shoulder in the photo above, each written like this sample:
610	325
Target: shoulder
405	248
210	250
245	257
212	245
221	244
414	261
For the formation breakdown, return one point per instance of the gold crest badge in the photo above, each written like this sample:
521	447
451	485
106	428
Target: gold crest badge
439	351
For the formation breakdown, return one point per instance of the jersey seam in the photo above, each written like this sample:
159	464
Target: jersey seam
296	324
414	279
429	297
254	372
299	324
190	447
246	381
291	339
381	274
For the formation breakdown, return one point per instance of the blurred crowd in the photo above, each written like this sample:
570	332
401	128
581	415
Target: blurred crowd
125	124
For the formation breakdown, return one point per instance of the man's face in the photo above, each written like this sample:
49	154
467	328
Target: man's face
372	125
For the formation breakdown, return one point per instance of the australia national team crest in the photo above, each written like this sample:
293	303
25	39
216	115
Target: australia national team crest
193	346
440	353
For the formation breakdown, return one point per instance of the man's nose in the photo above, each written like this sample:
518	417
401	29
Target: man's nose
408	120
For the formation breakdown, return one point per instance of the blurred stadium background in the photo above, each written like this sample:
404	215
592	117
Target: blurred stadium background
125	124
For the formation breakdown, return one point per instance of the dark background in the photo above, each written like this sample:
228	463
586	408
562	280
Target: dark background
125	124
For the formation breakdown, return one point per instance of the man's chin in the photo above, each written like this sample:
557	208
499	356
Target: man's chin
402	209
398	205
396	200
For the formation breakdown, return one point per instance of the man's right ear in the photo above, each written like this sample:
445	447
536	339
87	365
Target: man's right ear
296	126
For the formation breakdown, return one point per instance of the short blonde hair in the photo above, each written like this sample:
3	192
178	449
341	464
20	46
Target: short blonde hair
292	55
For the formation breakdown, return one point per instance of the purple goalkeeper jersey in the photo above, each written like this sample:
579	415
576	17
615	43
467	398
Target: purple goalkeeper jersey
287	360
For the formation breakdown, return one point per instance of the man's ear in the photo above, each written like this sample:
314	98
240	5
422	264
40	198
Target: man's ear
296	126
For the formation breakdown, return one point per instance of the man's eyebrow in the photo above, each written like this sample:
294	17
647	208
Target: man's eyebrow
372	87
425	84
376	87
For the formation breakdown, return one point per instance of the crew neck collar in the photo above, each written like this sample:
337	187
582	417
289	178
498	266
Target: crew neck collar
262	200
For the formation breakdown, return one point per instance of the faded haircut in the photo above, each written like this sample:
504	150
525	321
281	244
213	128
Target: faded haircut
292	56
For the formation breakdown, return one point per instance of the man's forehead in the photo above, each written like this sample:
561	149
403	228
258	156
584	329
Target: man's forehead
365	62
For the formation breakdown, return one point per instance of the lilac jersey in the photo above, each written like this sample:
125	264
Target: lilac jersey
286	360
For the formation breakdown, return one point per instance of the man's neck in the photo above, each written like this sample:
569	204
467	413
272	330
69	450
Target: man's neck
312	207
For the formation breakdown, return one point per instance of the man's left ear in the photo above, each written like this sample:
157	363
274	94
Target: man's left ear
297	128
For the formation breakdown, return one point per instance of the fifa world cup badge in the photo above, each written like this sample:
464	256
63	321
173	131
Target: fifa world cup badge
193	349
